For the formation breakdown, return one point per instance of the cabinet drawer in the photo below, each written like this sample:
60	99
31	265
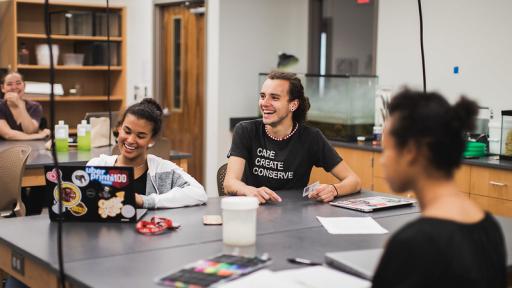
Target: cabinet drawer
319	174
360	162
496	206
491	182
462	176
381	185
377	167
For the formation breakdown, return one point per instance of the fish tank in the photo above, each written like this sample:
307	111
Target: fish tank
506	135
342	106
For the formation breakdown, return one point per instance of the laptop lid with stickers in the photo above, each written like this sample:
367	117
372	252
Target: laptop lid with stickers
91	193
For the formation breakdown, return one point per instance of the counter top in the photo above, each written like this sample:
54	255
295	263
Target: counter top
488	162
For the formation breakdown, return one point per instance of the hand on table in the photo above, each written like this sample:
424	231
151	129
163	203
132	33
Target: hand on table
44	133
324	193
263	194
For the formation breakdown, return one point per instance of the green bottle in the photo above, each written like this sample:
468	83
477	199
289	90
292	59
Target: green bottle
84	136
61	136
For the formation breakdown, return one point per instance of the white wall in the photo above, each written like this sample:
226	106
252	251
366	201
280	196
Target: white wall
352	32
472	34
244	38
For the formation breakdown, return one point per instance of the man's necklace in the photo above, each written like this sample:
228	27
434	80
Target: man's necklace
283	138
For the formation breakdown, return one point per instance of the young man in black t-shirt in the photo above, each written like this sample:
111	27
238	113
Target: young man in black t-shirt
278	151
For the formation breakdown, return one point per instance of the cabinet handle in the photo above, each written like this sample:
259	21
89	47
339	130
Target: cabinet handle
497	183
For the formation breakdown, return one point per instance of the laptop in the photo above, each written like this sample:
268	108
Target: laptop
370	204
92	194
360	263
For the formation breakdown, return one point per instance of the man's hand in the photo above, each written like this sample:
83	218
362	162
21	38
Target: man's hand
263	194
13	100
324	193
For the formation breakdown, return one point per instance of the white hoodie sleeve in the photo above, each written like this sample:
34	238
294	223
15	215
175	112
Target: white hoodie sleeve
175	188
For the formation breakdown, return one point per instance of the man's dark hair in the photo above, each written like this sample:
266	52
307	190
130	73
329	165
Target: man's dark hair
147	109
295	91
428	120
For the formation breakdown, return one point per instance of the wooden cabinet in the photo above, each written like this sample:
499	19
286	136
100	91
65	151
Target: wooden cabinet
22	22
490	188
360	162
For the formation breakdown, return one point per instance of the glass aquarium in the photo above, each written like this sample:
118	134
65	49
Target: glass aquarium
342	106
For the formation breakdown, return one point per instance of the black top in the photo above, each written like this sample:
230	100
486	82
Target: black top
139	184
439	253
34	109
285	164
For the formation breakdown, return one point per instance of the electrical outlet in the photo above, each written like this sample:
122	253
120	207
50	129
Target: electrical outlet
18	262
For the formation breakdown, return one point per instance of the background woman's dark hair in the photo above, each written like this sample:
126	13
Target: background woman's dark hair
295	91
428	119
147	109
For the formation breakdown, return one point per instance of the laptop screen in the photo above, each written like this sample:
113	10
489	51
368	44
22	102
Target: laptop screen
91	193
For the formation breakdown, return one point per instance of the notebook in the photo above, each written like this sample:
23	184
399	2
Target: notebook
360	263
370	204
92	193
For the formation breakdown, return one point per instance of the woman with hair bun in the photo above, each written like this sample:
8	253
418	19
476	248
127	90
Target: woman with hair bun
455	243
159	183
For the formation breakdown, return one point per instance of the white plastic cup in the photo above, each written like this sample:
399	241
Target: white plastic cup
239	220
43	54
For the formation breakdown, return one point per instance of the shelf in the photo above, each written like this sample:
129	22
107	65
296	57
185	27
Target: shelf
63	3
72	98
68	37
70	68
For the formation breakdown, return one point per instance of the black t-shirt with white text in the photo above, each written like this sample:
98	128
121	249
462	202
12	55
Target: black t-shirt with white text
281	165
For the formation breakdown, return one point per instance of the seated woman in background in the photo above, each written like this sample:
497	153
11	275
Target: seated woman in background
455	243
19	118
159	183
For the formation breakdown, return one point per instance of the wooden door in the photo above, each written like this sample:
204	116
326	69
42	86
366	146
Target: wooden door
183	81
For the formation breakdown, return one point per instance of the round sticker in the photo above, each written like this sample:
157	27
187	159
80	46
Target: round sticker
80	178
128	211
55	208
71	195
79	209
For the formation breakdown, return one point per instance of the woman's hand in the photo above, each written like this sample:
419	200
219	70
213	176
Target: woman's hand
139	201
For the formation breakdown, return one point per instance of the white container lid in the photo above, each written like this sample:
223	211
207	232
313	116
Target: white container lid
239	203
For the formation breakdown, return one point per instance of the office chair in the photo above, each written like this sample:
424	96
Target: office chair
221	174
13	161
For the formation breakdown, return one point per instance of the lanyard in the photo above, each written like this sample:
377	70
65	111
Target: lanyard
156	225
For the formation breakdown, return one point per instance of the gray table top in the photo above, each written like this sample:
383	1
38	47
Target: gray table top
40	156
287	229
310	243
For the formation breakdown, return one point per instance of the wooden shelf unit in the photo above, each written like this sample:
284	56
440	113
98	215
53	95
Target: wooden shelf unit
22	21
70	68
69	37
73	98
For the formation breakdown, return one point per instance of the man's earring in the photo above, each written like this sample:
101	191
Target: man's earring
151	145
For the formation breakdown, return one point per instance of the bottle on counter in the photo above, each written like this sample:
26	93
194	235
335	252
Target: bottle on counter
61	137
23	54
83	131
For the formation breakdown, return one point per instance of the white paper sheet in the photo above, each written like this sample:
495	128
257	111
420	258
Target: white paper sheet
351	225
323	277
262	278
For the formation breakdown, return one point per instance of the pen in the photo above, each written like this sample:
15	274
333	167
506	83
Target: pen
303	261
